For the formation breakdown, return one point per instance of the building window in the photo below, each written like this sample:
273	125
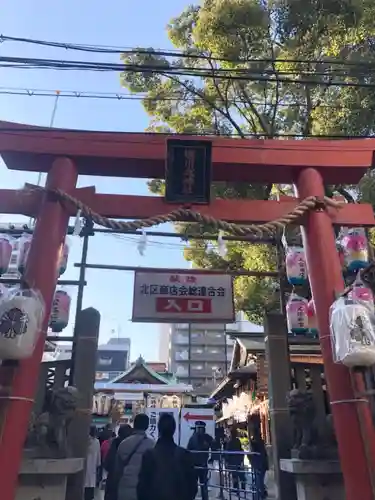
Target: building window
181	371
182	355
105	361
196	366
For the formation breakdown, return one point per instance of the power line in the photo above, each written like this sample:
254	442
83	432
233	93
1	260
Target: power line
177	53
247	75
139	96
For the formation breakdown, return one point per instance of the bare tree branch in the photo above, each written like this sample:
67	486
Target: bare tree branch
306	130
201	95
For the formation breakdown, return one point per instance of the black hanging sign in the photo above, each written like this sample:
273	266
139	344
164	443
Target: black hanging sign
188	171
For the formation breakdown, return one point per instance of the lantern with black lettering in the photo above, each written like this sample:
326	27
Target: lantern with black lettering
64	258
60	311
311	314
24	248
21	315
297	315
6	249
295	264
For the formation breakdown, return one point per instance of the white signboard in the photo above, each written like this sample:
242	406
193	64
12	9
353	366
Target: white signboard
188	418
184	297
154	414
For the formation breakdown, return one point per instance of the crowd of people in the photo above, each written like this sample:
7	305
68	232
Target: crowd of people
131	466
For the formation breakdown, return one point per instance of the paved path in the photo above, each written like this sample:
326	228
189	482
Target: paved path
213	492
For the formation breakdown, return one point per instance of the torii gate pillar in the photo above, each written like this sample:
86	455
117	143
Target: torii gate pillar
326	279
41	274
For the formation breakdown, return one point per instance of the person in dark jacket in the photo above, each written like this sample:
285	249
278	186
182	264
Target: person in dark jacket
129	458
259	461
110	462
167	471
234	460
200	445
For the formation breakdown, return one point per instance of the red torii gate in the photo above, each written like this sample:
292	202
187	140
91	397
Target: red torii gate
308	164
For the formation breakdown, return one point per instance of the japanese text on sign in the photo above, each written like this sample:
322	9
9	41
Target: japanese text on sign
184	296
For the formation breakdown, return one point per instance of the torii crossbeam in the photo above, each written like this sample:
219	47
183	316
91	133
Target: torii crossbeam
309	164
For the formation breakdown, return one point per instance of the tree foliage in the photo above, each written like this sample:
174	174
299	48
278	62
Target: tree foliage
297	59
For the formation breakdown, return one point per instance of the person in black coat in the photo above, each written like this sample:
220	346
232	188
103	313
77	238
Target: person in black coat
110	461
167	470
259	461
235	459
200	445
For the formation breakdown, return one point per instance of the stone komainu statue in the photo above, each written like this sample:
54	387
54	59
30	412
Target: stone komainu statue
310	440
48	431
302	411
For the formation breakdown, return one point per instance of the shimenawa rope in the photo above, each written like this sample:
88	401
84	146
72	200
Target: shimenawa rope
187	215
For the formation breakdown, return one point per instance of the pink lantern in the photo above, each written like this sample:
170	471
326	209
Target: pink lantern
64	259
297	315
355	248
312	321
295	264
6	249
24	248
60	311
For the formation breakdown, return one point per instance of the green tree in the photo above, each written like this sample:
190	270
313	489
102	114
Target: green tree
289	52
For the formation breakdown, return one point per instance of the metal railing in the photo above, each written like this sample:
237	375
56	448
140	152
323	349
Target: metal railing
229	475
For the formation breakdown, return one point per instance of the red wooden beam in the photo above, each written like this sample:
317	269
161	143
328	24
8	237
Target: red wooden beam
141	207
120	154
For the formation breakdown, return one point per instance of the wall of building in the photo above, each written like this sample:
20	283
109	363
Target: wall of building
112	358
210	353
164	343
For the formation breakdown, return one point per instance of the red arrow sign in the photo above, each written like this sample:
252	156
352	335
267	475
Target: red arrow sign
191	416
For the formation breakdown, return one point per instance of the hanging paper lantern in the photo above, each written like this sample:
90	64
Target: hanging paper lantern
312	320
297	315
6	249
355	248
64	259
296	268
60	311
24	248
352	333
21	315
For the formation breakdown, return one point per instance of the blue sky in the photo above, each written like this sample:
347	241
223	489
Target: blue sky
126	24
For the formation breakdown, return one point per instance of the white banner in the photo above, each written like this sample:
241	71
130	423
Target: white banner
154	414
188	297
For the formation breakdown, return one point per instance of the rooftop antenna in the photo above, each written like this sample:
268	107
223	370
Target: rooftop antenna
51	123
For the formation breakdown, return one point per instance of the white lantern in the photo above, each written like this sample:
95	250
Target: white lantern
353	333
21	315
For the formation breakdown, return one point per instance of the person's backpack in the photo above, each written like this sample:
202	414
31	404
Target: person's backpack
169	477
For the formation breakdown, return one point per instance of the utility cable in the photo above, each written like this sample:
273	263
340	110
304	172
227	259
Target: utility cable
139	96
170	70
176	53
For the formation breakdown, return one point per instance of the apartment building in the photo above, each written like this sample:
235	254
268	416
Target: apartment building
207	360
112	358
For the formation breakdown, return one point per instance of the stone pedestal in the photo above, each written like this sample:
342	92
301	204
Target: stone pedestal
45	479
315	479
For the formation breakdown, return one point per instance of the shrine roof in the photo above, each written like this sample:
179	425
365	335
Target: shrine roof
141	370
141	155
